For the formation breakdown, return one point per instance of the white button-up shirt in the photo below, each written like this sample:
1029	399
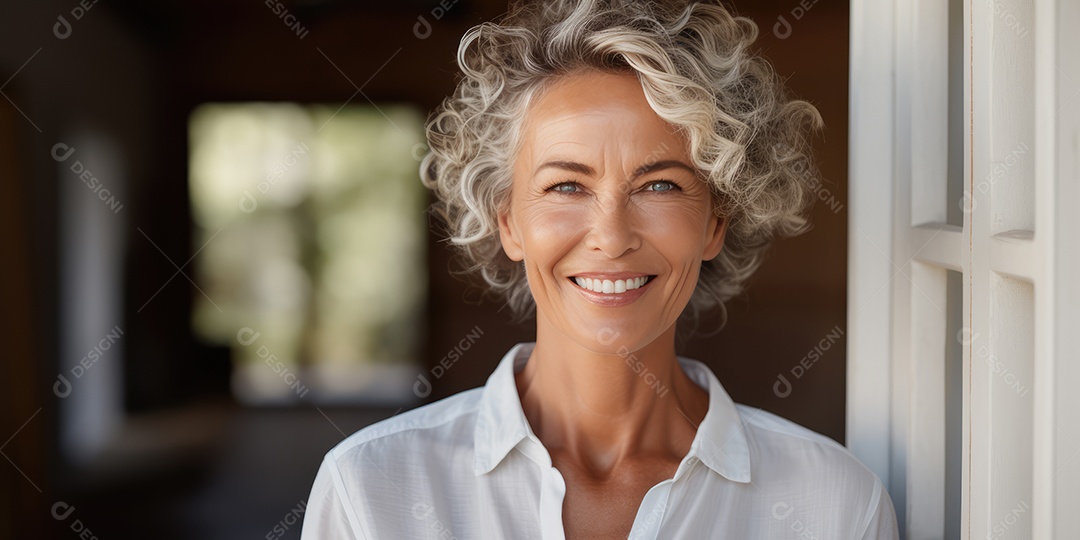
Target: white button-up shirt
469	466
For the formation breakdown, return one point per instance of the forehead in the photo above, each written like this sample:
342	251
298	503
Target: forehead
598	111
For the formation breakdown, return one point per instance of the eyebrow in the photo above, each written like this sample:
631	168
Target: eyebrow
582	168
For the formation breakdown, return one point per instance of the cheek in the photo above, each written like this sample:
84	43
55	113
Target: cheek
675	228
549	231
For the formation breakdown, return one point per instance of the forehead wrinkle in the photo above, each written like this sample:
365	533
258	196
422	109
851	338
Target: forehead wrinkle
580	128
627	137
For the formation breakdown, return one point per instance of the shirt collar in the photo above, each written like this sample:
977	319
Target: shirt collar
720	442
501	423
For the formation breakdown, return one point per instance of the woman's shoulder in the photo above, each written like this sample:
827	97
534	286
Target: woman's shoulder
448	420
784	444
393	462
839	490
782	428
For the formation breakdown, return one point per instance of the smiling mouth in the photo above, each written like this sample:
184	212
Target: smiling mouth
610	286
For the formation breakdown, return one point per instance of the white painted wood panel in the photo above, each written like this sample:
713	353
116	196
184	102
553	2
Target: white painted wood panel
1018	255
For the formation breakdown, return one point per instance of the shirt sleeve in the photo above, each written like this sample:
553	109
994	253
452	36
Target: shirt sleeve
325	517
882	523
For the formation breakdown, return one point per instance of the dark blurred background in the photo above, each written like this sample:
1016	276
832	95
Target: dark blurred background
155	382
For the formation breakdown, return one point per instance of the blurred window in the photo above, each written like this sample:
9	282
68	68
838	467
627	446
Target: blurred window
310	248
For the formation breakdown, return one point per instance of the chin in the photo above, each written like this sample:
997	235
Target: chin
609	337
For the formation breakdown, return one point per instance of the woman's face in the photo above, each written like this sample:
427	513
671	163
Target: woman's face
604	189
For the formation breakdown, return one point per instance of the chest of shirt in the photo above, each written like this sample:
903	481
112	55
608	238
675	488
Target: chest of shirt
521	500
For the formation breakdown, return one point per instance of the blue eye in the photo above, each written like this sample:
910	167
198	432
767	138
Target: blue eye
670	186
561	187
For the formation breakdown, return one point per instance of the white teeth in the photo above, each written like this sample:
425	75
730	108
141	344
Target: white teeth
608	286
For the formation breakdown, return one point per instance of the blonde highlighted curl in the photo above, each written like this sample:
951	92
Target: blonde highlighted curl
747	139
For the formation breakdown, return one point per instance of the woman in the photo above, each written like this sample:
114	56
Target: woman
606	165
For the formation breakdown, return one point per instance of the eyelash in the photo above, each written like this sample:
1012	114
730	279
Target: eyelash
675	186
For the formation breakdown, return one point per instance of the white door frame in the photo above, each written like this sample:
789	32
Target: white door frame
1018	252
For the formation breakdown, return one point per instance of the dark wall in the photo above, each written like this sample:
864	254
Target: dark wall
796	305
243	52
135	70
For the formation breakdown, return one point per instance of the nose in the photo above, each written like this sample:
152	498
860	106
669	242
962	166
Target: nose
615	228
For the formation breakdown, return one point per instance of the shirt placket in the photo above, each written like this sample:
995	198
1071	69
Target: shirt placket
651	512
552	494
552	488
654	505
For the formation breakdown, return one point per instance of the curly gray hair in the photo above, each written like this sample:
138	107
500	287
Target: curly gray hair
748	140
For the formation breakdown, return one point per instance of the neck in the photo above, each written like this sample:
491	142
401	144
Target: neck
601	410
